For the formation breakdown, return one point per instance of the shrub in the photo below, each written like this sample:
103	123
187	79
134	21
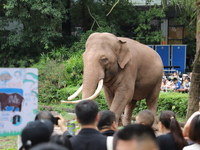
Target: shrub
176	102
52	77
74	69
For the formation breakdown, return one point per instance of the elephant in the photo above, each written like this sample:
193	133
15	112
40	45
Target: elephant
128	70
13	99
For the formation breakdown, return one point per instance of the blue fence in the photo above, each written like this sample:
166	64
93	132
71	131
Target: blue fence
172	55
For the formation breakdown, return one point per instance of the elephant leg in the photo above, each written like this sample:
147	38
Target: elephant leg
121	99
128	112
109	96
151	102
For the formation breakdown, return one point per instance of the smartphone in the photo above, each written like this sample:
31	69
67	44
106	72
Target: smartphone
56	120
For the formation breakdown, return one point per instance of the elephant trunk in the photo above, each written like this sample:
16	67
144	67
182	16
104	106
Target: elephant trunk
90	83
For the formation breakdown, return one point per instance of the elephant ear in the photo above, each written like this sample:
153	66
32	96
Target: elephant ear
124	54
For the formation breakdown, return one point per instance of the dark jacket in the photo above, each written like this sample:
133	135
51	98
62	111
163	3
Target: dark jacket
89	139
166	142
108	133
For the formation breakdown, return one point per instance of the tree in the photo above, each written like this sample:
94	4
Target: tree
123	17
191	9
194	96
38	25
145	29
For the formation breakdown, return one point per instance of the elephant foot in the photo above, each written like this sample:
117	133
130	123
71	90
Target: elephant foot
120	124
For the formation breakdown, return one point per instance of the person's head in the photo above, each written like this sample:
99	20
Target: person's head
184	76
61	140
194	130
36	132
167	121
49	146
187	79
145	117
175	80
107	120
135	137
45	115
165	118
87	112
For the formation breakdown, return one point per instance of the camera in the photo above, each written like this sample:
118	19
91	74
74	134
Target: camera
56	120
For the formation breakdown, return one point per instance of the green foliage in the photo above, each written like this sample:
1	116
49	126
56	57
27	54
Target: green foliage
187	16
146	31
176	102
74	70
36	26
124	19
41	21
52	75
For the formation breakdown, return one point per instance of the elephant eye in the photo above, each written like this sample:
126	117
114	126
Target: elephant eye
104	60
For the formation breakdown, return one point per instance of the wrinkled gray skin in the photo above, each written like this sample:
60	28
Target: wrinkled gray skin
131	72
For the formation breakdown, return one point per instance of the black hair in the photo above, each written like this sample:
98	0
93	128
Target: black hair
168	119
174	79
49	146
138	132
194	130
45	115
86	111
107	117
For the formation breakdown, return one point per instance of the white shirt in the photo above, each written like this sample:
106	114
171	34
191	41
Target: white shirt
192	147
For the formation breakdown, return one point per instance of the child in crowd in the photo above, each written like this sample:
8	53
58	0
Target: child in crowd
145	117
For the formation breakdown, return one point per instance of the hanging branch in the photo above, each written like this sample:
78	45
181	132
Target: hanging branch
112	7
93	18
92	25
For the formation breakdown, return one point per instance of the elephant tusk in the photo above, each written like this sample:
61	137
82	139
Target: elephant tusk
71	102
76	93
99	88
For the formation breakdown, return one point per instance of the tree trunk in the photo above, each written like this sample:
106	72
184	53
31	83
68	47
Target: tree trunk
194	95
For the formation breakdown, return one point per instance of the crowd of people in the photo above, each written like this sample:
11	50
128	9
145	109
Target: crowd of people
176	83
99	131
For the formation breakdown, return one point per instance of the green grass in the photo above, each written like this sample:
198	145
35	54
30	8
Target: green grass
8	143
